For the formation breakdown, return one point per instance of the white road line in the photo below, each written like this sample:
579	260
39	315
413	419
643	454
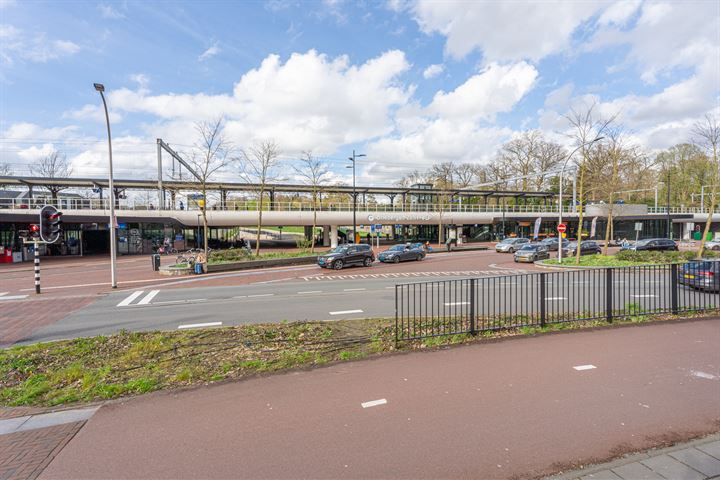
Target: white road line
130	298
199	325
374	403
343	312
387	288
147	298
261	295
580	368
3	293
456	303
13	297
240	296
552	299
353	289
708	376
643	296
309	291
171	302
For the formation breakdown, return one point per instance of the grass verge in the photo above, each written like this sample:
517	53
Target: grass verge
105	367
632	259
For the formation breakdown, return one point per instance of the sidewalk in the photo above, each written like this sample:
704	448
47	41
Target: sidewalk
696	460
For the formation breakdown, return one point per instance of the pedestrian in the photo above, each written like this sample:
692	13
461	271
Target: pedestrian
182	206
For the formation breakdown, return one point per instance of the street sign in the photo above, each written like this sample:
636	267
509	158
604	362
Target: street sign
561	228
638	226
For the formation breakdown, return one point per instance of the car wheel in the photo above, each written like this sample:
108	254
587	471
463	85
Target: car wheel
511	250
396	260
418	258
715	248
367	262
338	265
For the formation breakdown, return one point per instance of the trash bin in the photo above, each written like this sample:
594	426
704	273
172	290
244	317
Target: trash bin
155	262
198	268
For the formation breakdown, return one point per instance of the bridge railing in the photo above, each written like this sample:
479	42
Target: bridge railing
137	205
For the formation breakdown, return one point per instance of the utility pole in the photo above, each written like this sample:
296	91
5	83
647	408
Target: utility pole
669	225
113	244
354	194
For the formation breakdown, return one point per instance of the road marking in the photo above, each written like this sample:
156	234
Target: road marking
309	291
147	298
13	297
708	376
199	325
553	299
643	296
3	293
171	302
374	403
261	295
343	312
130	298
456	303
353	289
240	296
580	368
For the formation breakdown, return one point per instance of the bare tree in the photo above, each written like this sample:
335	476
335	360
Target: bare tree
259	167
465	175
53	165
314	173
442	176
707	134
210	154
616	153
5	169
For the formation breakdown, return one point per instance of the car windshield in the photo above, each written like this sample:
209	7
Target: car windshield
572	244
699	266
508	240
529	247
642	243
339	249
397	248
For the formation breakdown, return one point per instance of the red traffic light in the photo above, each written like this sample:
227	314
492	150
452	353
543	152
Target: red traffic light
34	229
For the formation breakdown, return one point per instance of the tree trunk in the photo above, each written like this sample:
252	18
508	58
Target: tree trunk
205	223
579	207
312	233
711	209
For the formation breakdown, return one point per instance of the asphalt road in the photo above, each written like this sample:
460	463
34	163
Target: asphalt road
512	409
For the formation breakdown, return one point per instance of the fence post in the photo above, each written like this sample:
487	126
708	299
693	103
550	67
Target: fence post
543	295
673	288
609	294
473	330
397	331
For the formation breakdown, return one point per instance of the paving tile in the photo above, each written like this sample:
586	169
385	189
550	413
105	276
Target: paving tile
670	468
12	424
604	475
700	461
57	418
712	448
636	471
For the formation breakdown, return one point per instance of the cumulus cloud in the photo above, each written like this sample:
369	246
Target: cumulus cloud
433	71
16	44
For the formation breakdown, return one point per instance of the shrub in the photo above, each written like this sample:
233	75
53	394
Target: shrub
303	243
230	255
660	257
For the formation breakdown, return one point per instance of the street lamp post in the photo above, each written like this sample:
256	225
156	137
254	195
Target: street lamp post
197	238
560	205
352	159
669	225
113	247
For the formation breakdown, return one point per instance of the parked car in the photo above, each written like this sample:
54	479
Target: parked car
552	243
402	253
657	244
349	254
511	245
712	245
532	252
700	274
587	247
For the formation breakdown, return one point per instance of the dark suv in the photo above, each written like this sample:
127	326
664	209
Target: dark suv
656	244
349	254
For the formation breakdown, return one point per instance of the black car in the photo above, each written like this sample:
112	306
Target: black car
587	247
552	243
401	253
656	244
349	254
701	274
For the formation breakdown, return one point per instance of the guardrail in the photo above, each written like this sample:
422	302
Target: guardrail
473	305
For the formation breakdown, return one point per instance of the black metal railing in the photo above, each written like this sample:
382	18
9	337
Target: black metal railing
472	305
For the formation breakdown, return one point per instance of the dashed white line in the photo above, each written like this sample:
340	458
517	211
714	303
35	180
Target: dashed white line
130	298
343	312
707	376
199	325
580	368
309	291
13	297
173	302
3	293
374	403
353	289
147	298
261	295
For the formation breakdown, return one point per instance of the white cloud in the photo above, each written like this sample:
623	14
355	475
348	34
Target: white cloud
494	90
94	112
109	12
33	153
210	52
433	71
504	31
619	12
16	44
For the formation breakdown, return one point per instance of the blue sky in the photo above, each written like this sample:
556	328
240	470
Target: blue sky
409	82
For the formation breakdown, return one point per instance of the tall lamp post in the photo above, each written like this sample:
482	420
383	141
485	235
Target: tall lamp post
560	205
113	247
352	159
667	186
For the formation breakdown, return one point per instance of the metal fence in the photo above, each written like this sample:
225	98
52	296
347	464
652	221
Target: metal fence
472	305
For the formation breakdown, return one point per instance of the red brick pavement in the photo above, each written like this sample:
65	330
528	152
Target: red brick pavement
20	318
24	455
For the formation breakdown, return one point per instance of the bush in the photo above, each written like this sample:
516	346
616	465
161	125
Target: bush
230	255
303	243
660	257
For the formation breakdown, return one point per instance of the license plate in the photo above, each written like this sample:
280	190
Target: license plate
689	276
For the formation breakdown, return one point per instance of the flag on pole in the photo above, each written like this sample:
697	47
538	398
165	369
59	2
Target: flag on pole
537	228
592	227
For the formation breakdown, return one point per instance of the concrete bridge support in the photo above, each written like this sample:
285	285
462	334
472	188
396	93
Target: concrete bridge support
333	236
326	236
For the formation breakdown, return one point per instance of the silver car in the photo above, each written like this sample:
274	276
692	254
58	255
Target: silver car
532	252
511	245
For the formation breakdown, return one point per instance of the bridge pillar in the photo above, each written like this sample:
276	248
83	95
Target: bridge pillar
333	236
326	236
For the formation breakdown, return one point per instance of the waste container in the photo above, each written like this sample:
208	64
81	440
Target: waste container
155	258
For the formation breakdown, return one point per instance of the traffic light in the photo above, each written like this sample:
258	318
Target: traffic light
34	231
50	224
